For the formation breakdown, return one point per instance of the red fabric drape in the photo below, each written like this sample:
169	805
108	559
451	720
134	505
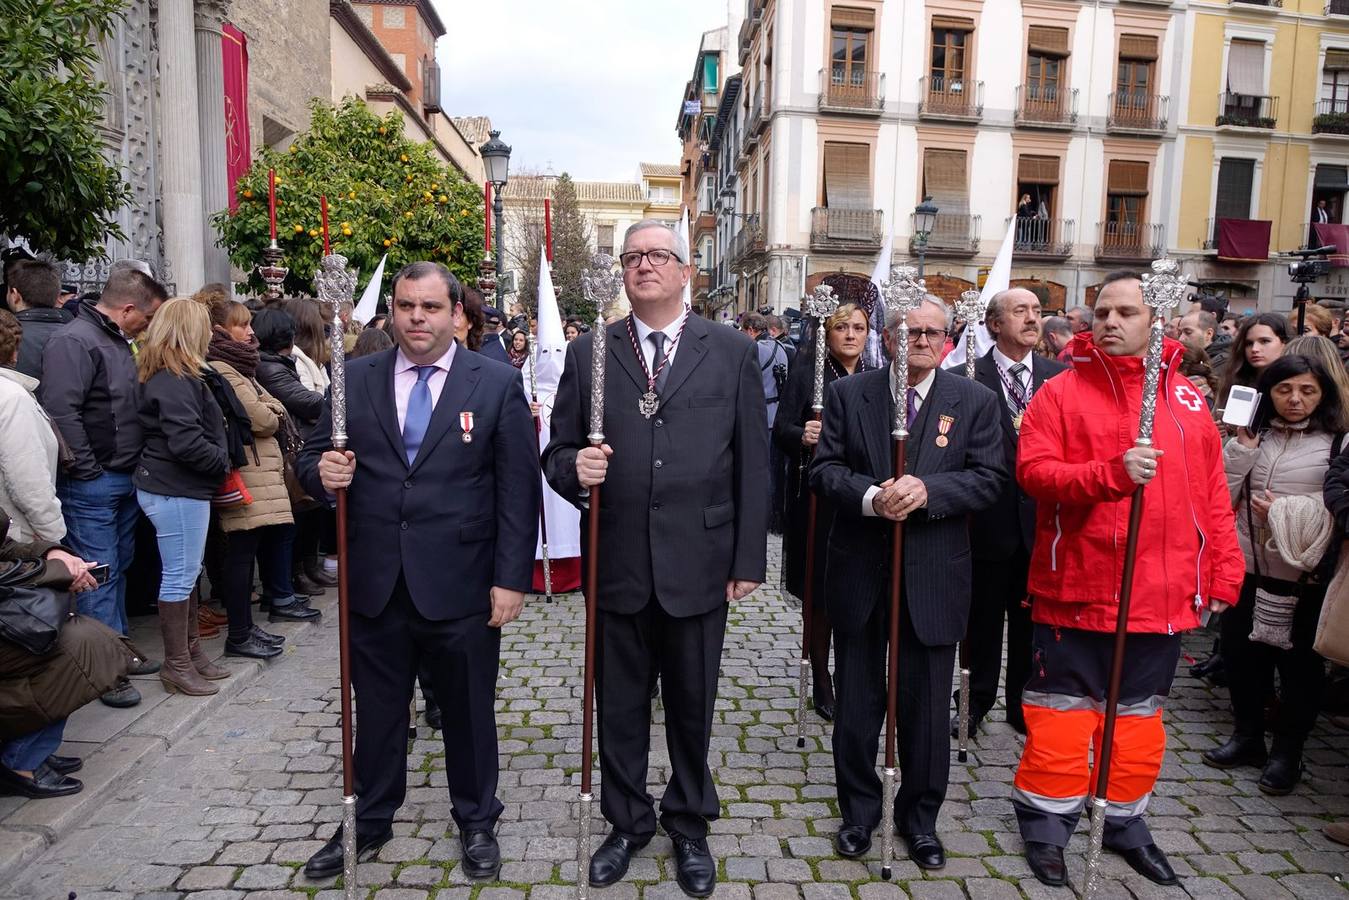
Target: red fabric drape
1337	235
566	575
1243	240
238	153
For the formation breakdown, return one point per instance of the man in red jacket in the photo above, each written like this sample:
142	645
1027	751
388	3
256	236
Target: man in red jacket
1078	459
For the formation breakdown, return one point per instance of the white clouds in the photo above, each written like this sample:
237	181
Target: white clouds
591	85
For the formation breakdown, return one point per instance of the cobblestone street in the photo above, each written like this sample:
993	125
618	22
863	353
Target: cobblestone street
235	807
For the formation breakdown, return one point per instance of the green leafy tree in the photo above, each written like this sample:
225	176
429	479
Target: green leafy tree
572	253
385	193
59	192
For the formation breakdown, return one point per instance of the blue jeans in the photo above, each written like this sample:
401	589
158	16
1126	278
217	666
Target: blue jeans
100	519
180	529
24	754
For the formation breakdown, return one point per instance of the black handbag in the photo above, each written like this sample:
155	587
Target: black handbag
32	616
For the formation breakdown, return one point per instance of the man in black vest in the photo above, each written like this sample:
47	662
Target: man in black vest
955	467
1001	537
683	526
443	493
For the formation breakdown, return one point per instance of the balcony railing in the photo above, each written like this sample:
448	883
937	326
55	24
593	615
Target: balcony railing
1332	116
752	122
1270	4
949	98
852	91
1043	237
749	239
846	229
1135	111
1247	110
1045	106
1129	241
1337	7
953	234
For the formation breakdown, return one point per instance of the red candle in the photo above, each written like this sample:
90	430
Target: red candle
548	227
487	209
271	201
323	212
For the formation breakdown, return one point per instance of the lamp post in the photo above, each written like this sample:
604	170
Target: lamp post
924	218
496	158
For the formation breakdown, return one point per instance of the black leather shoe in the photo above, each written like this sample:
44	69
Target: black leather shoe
925	850
1240	750
975	722
1208	667
251	648
44	783
482	856
64	765
695	869
1046	863
327	862
276	640
852	841
433	717
825	711
610	862
1150	862
123	696
293	612
302	585
1281	774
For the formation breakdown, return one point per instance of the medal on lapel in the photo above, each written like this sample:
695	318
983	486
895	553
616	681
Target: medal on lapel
466	426
1016	421
944	424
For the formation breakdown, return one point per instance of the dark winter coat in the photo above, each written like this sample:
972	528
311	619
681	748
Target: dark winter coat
185	450
39	324
278	376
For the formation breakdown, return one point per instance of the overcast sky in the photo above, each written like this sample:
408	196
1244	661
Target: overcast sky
591	86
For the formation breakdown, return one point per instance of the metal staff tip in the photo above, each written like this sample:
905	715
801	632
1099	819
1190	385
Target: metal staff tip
1163	289
903	293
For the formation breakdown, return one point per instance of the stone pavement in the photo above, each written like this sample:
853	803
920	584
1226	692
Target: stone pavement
234	808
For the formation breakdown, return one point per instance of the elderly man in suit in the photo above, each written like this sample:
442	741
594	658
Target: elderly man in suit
1001	537
683	527
443	492
956	466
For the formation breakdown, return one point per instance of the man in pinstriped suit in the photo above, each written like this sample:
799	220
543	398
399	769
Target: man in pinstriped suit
956	466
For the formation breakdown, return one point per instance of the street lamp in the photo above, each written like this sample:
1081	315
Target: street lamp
924	218
496	159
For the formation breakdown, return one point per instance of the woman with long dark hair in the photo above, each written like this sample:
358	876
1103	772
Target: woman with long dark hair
1258	343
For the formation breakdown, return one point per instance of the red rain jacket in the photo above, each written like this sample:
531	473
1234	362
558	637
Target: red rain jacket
1071	460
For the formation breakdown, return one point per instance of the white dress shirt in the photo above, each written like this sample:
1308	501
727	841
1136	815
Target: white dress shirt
644	332
405	377
901	398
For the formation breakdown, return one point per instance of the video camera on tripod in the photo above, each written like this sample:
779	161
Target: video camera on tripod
1314	264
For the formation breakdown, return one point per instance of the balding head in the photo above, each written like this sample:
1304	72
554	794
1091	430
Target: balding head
1197	329
1013	318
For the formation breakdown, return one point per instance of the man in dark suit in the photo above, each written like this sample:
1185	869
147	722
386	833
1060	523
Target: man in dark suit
955	467
493	341
1001	537
683	526
436	567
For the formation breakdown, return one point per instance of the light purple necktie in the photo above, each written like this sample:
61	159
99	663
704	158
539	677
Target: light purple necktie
912	406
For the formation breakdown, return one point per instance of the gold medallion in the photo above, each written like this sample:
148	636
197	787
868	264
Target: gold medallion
942	440
1016	421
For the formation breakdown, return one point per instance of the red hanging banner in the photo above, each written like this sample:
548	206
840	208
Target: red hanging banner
238	153
548	227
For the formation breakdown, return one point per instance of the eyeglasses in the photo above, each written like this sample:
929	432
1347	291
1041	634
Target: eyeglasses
933	335
633	258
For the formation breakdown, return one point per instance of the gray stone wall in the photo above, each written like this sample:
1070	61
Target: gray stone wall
288	64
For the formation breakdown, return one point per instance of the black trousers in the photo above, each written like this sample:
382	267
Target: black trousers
462	656
924	745
687	652
999	592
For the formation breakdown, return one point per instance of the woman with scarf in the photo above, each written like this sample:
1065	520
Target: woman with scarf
519	349
263	529
796	433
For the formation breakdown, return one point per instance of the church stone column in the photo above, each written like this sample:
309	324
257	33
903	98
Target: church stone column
180	145
210	15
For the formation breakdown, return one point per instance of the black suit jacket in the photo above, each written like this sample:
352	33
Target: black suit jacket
463	517
966	476
684	507
1009	525
493	348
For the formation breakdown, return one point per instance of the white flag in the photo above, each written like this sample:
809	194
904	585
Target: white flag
365	310
999	279
874	352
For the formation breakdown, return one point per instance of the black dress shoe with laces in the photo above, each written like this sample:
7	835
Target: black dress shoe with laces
610	862
276	640
482	856
925	850
327	862
1150	862
251	647
852	841
1046	863
295	611
45	782
695	869
64	765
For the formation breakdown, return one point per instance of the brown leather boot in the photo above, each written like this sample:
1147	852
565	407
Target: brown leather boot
200	661
178	674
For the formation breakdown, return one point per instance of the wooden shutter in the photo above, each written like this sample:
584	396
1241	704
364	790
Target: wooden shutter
847	176
1331	177
1236	178
1045	41
1246	67
1127	177
1038	170
952	23
1337	60
1138	46
944	178
848	17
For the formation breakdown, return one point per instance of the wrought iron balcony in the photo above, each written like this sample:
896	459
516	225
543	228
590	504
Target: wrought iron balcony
1045	106
748	240
1247	110
752	122
1337	7
1332	116
1133	111
846	229
1043	238
853	92
953	234
1129	241
1268	4
955	100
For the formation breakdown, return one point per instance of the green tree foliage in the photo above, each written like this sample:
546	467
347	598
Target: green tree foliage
572	251
59	192
385	193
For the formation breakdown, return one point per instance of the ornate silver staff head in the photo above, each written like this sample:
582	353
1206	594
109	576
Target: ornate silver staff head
820	305
336	284
903	293
602	283
1163	289
971	308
